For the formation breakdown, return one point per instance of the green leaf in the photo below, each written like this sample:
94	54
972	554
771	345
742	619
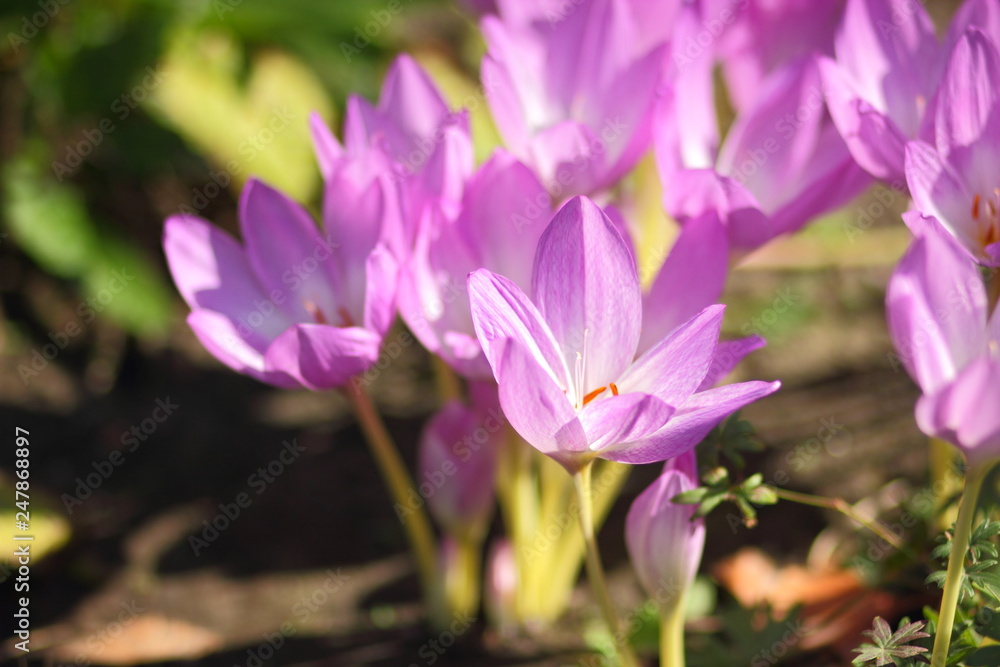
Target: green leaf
692	497
48	221
991	628
987	656
890	646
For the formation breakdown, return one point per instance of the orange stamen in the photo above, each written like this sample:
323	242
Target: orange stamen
592	395
316	313
614	388
345	317
975	207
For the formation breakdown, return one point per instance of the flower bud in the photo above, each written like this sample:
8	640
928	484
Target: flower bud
664	544
501	586
457	468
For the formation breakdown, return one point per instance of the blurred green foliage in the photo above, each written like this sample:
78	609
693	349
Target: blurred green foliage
116	113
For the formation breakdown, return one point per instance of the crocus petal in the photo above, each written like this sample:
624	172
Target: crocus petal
623	132
686	116
831	180
664	544
212	272
280	235
699	261
410	100
939	191
586	287
614	420
729	353
505	209
686	464
329	152
982	14
674	368
693	420
798	166
564	157
513	82
962	414
890	50
227	343
432	286
690	193
766	155
937	324
537	407
381	275
463	477
320	356
450	164
969	97
501	311
874	140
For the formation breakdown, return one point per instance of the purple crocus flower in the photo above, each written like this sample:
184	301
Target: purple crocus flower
664	544
564	359
782	163
956	181
982	14
886	72
413	136
940	324
573	98
502	213
699	260
458	455
753	38
293	306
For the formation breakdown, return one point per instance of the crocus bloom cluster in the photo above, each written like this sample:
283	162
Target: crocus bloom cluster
409	122
957	180
950	345
503	210
565	361
664	543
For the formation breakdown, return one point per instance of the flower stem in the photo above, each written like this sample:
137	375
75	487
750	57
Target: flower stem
448	386
956	563
400	485
845	508
463	577
595	571
672	634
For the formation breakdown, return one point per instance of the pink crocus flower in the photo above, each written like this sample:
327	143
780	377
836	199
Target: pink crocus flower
664	543
883	80
294	305
982	14
698	260
782	163
573	97
412	133
458	454
753	38
502	213
947	340
956	181
565	359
